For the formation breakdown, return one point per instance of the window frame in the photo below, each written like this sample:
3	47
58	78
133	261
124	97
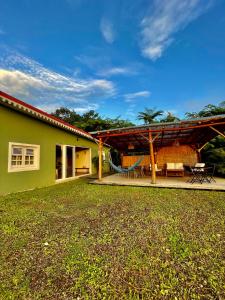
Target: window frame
23	166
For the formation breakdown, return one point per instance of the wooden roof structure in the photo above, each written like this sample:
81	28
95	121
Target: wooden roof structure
194	132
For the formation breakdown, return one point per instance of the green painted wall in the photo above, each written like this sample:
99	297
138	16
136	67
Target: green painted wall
19	128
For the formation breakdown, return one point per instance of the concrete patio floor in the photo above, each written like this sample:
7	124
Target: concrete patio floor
162	182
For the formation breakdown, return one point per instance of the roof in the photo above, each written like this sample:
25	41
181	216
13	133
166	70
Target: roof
193	132
36	113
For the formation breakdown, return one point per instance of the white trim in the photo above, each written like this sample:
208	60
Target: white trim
42	116
57	181
74	161
90	168
64	163
23	167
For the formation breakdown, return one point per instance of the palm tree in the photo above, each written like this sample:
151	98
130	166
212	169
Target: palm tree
149	115
170	117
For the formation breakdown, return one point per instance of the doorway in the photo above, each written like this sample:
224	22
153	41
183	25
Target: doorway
72	161
83	161
59	162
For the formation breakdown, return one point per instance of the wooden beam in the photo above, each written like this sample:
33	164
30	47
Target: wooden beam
158	130
217	131
106	139
152	159
155	137
200	149
144	137
100	159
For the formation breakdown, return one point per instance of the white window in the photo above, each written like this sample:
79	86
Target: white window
23	157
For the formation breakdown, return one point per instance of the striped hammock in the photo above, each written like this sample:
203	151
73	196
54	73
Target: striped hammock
122	170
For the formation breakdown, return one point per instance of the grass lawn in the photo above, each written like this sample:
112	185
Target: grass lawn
82	241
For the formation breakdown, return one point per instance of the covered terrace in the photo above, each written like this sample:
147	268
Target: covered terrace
161	144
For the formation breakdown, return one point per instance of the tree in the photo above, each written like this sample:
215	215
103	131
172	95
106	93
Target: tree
90	121
214	152
170	117
149	115
208	111
67	115
90	115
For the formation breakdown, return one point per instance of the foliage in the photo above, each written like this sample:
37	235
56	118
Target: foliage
90	121
81	241
208	111
149	115
67	115
214	152
170	117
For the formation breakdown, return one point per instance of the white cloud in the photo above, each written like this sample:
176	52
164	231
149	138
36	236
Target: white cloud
91	61
82	110
19	83
102	65
107	72
52	107
25	78
164	19
107	30
131	111
133	96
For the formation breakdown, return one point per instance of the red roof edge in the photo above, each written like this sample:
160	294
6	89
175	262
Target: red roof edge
42	112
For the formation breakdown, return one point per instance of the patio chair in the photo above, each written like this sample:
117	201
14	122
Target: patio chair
156	169
175	169
210	171
200	166
197	176
139	171
202	174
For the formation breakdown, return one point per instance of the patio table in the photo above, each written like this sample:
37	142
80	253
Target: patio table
201	174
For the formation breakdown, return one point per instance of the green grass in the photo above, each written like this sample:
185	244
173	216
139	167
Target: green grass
82	241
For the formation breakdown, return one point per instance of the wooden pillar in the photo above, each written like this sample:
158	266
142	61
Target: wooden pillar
100	159
152	159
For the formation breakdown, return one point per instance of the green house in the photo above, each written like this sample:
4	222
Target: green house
37	149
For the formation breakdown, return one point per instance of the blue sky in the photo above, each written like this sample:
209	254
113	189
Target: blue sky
116	57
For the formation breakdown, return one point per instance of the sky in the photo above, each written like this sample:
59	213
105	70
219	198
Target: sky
114	56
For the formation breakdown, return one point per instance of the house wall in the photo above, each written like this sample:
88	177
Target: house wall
83	158
19	128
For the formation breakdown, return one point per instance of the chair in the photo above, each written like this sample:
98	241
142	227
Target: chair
209	173
175	169
200	166
202	174
139	171
197	176
156	169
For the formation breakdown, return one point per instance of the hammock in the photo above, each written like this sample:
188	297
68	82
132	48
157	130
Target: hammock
121	170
